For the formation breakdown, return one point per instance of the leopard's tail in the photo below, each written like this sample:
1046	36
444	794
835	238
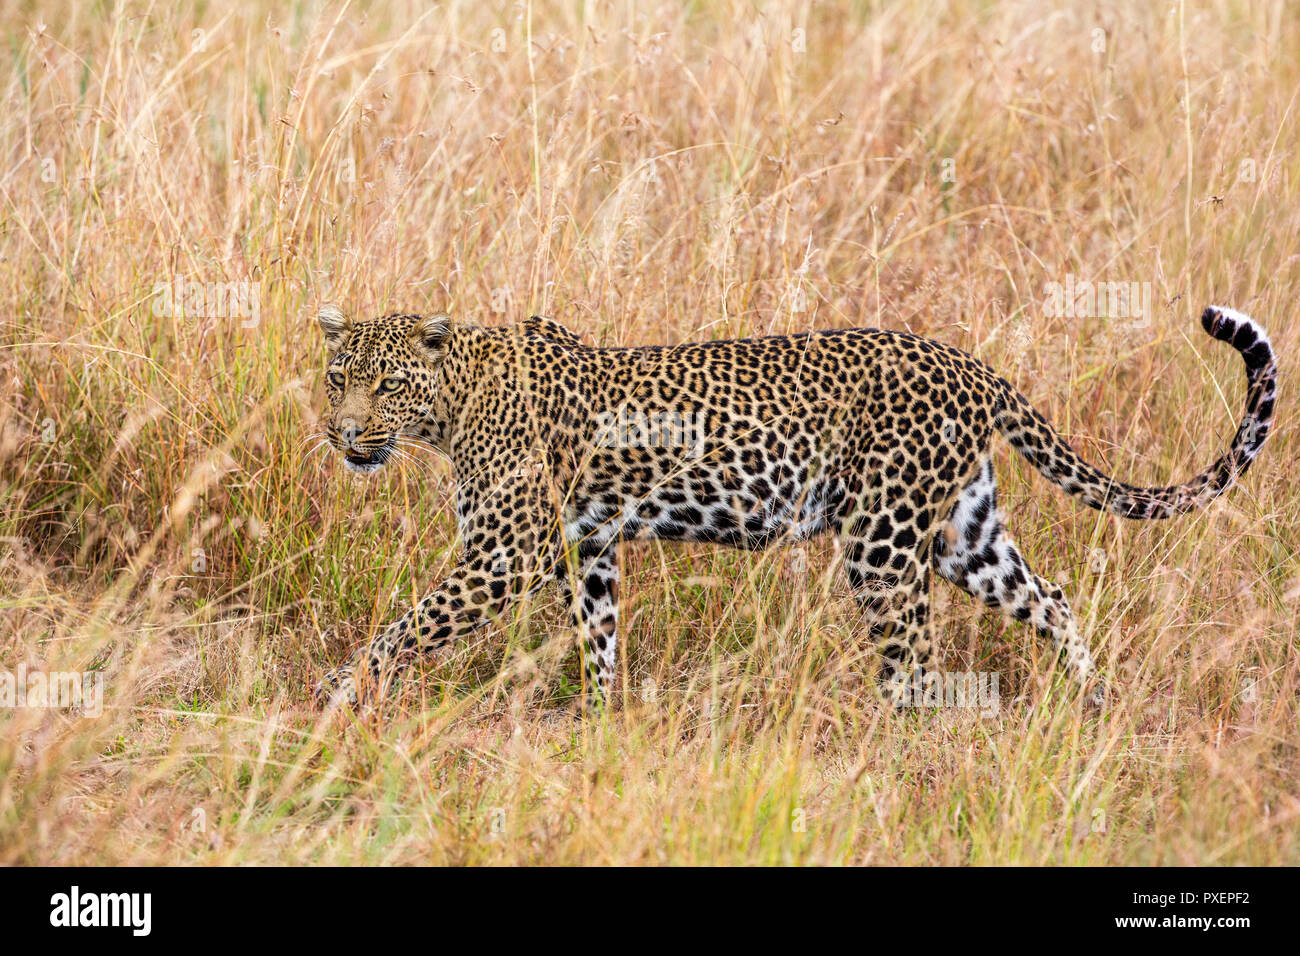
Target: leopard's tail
1031	435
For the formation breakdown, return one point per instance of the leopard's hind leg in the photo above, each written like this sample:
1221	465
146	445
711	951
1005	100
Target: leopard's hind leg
974	551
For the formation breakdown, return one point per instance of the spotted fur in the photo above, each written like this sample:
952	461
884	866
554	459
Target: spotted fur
561	451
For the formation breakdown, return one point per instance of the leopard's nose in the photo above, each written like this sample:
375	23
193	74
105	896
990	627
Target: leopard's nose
350	431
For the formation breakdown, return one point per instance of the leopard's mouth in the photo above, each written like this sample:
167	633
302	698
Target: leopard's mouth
366	462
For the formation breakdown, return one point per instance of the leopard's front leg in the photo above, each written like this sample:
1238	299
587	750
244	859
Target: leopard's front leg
591	589
504	558
454	610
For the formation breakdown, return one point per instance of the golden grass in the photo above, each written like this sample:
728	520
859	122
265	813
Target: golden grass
646	174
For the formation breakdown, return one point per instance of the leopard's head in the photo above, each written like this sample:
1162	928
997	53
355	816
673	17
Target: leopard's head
383	380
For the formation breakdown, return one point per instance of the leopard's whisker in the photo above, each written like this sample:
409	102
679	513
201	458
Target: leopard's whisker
323	443
405	456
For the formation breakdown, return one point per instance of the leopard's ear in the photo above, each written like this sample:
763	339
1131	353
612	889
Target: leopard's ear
335	325
429	337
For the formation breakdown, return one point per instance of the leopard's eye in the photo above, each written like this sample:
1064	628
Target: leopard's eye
336	379
390	385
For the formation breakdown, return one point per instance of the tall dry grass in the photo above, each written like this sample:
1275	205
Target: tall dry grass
646	174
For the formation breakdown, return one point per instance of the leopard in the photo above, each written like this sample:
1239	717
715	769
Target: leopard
564	452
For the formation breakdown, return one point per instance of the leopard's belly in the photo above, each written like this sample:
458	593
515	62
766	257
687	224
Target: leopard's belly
751	511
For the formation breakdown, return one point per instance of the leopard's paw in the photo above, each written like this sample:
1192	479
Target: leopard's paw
336	688
1098	695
